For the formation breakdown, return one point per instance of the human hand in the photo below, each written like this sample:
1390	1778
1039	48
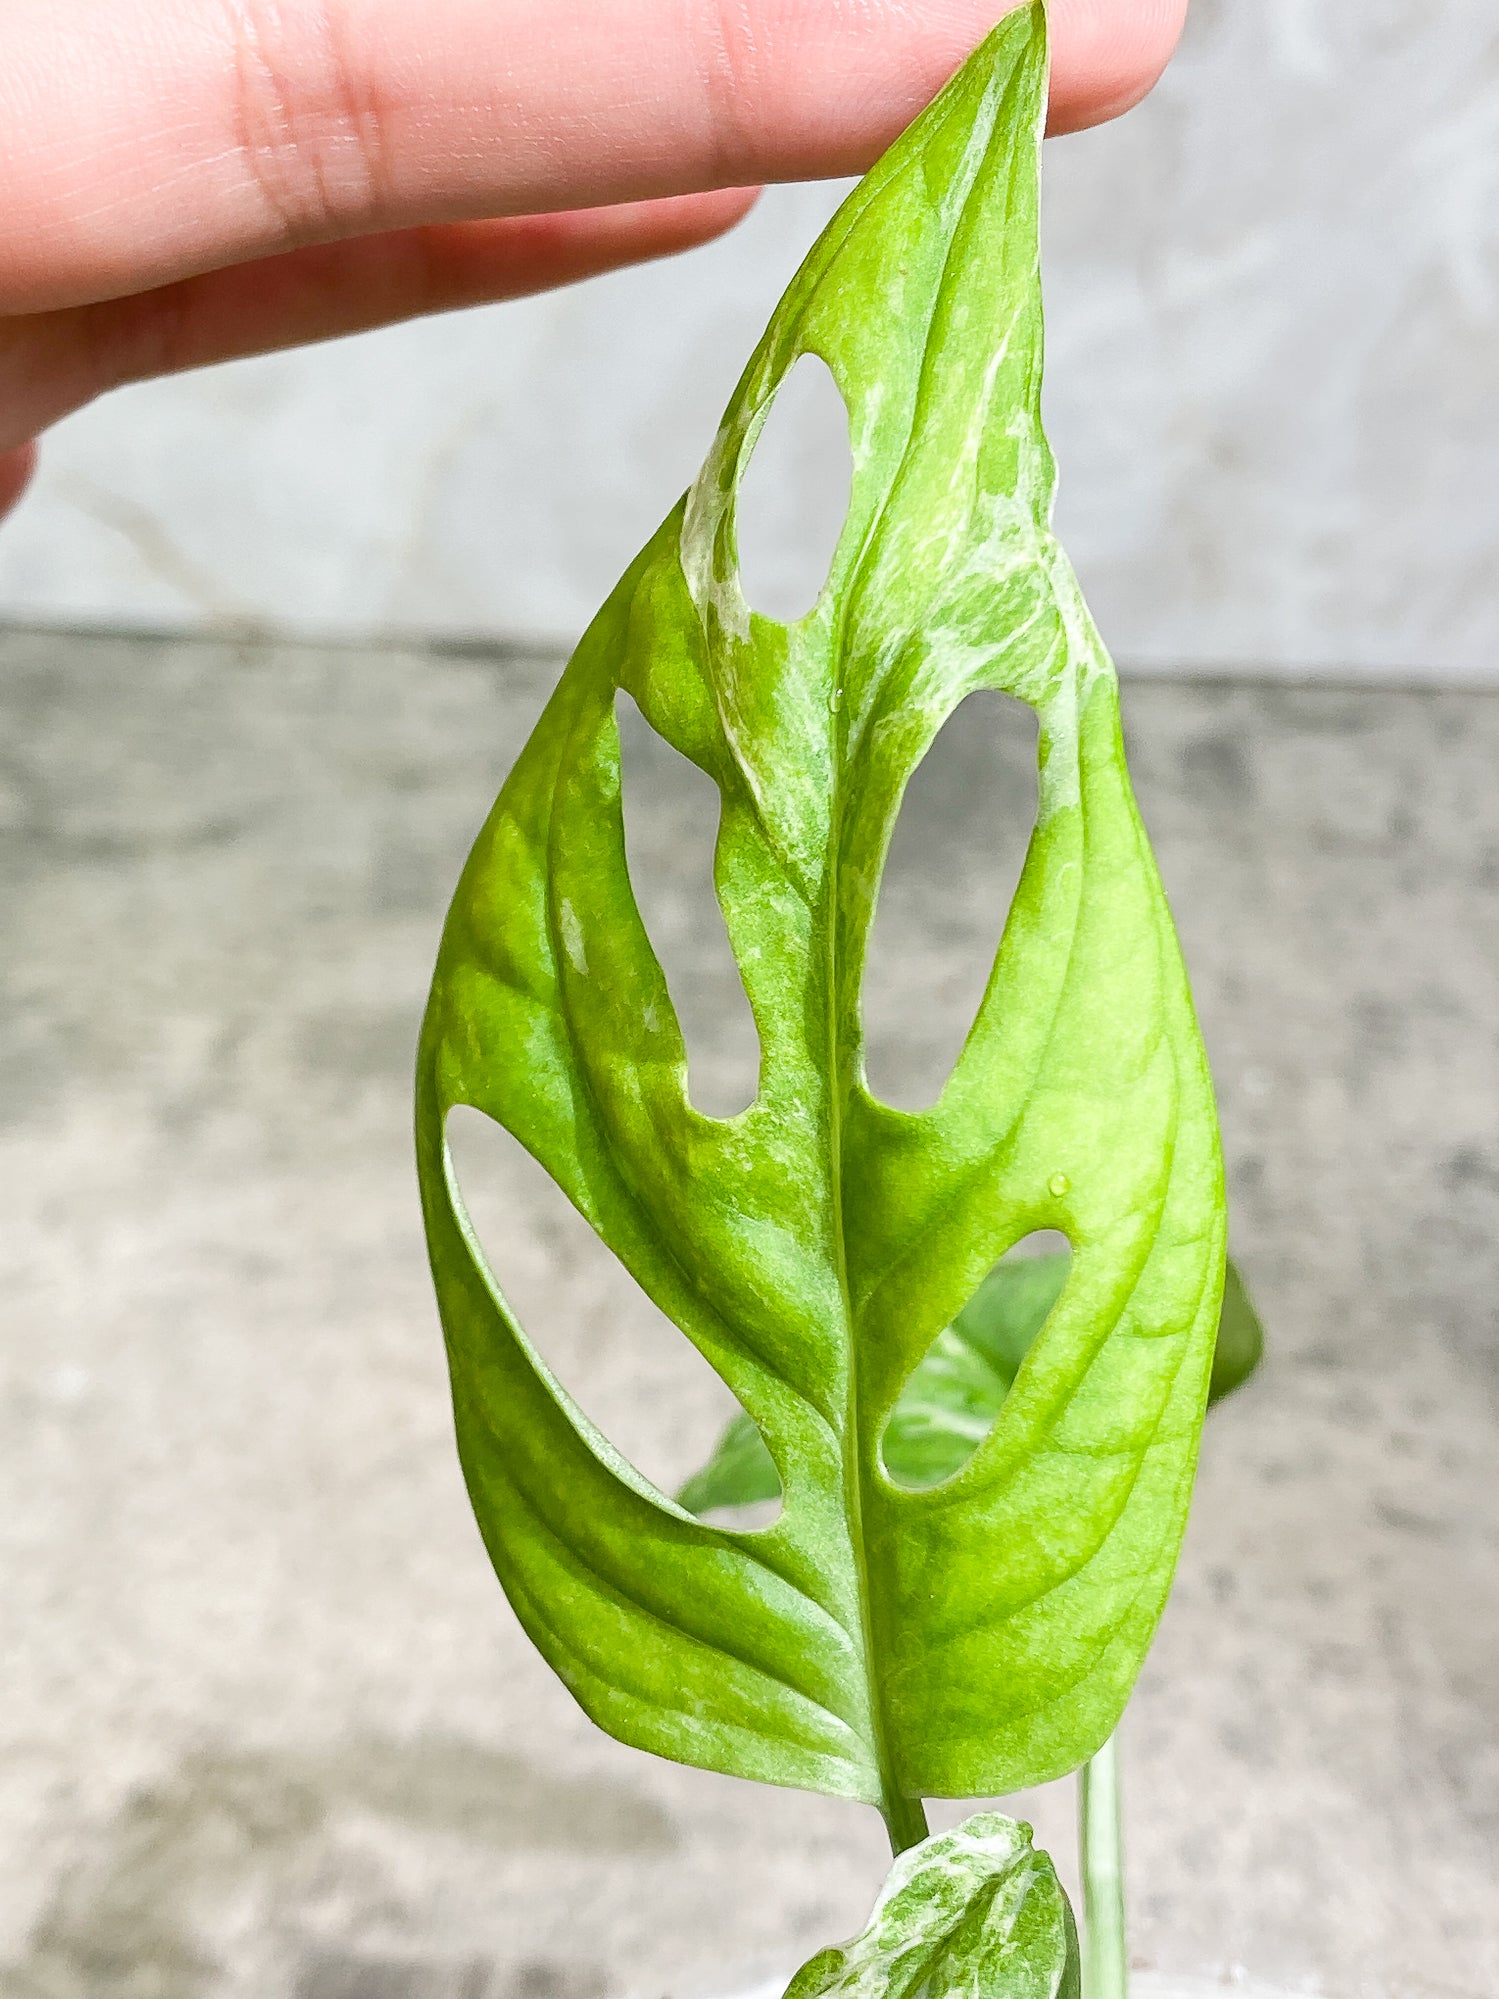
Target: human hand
185	181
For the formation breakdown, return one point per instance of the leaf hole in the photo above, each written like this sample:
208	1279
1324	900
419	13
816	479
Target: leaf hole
671	814
629	1368
793	495
955	858
954	1394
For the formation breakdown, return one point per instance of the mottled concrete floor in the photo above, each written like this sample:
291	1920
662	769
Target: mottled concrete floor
268	1727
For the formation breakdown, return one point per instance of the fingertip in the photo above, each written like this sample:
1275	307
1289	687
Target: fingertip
820	88
622	232
1107	55
698	218
16	468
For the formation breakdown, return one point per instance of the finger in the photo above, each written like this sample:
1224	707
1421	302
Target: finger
51	363
16	468
1114	55
142	141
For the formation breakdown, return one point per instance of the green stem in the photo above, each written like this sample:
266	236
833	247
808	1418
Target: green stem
1101	1840
905	1821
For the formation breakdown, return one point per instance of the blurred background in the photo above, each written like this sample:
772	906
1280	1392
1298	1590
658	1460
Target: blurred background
272	634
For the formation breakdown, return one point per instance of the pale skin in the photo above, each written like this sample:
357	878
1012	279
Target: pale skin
184	181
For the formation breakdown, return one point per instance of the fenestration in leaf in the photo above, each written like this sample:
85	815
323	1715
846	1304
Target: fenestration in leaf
949	1405
874	1642
975	1913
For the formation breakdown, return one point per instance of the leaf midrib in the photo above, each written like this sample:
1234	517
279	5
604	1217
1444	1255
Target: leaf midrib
892	1797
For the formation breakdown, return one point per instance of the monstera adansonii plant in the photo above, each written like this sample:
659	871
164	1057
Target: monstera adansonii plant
949	1609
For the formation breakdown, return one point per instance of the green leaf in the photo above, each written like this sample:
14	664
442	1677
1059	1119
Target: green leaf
1241	1338
950	1403
874	1642
741	1472
976	1913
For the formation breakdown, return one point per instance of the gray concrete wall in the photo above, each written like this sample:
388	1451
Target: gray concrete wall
1274	302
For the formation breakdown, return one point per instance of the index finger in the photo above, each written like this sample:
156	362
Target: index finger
146	140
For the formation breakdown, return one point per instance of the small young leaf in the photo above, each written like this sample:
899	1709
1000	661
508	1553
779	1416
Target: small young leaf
949	1405
741	1472
1010	1307
1241	1339
876	1642
976	1913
